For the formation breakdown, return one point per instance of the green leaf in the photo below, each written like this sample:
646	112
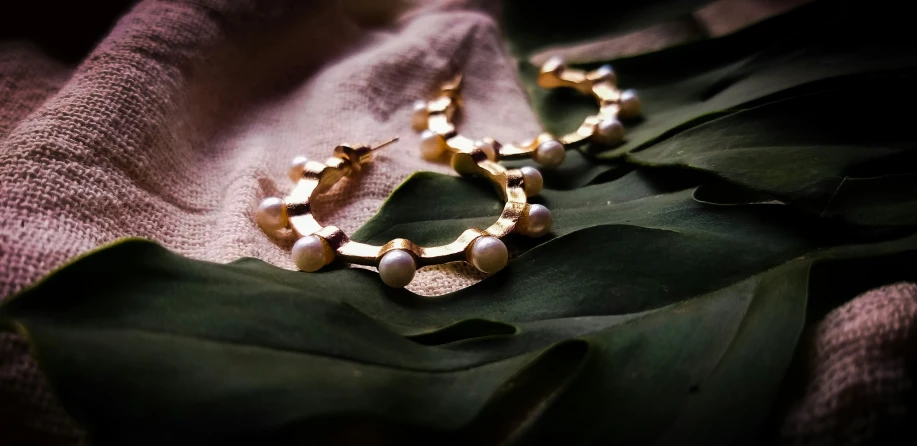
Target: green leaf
417	210
168	349
685	86
707	344
794	151
158	352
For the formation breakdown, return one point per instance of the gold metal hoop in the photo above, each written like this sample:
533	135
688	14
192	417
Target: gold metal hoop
319	245
434	118
603	127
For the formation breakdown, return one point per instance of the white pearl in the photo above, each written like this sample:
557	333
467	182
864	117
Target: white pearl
420	115
432	145
532	181
489	254
309	253
297	167
629	104
555	64
397	268
605	74
271	214
550	153
487	148
538	222
609	131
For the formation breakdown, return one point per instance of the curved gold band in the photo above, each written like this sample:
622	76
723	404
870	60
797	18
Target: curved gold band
601	84
438	117
319	177
602	127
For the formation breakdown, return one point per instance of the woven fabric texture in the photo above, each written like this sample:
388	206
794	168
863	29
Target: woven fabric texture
186	115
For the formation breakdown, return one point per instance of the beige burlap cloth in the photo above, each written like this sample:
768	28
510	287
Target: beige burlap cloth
187	115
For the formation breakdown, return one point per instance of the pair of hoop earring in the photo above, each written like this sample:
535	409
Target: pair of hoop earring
318	245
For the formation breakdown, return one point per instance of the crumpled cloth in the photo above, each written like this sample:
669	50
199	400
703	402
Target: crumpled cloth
187	114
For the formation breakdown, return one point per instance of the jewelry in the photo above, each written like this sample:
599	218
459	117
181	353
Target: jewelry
399	259
602	83
438	134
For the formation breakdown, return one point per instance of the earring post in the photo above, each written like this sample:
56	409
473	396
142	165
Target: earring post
385	143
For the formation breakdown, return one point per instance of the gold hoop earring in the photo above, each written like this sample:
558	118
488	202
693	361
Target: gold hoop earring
438	133
397	261
602	84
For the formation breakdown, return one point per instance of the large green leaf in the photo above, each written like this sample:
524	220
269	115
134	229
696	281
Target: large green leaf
171	349
794	151
687	85
639	276
618	397
640	198
167	349
707	342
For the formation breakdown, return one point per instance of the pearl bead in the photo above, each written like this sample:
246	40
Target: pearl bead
532	181
432	145
609	131
489	254
629	104
271	214
487	148
605	74
550	153
420	115
309	253
556	65
397	268
297	167
538	221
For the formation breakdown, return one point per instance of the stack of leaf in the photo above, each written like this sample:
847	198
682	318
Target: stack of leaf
772	179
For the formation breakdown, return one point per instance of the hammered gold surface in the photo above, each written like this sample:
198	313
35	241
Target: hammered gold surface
467	160
602	85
